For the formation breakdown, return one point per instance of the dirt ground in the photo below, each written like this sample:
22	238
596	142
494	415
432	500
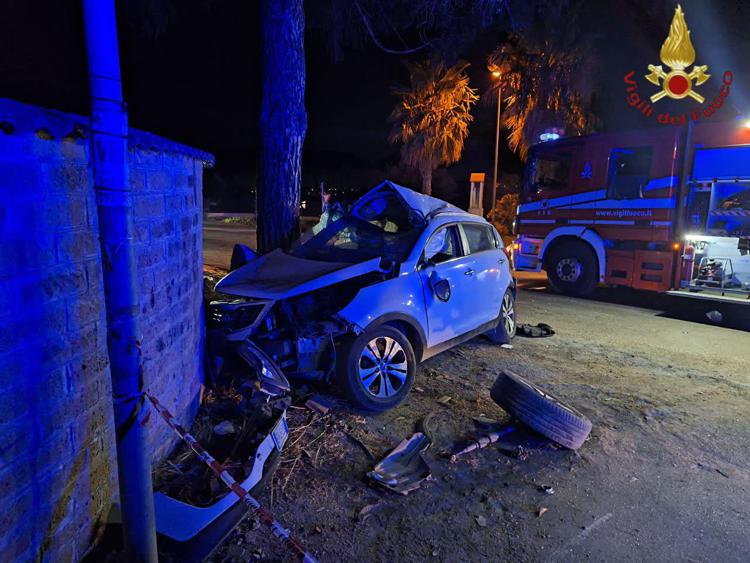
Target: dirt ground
665	474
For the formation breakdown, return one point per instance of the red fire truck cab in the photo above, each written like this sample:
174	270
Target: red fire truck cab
664	210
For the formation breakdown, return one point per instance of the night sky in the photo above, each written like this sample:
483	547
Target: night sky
191	73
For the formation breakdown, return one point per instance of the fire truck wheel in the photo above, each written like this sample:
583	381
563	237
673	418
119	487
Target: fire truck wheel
572	268
540	411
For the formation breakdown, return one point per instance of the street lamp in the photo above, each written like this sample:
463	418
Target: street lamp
496	74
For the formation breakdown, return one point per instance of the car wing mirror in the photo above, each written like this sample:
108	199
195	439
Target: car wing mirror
441	287
241	255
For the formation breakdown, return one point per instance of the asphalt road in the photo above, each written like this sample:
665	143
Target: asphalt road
665	474
219	239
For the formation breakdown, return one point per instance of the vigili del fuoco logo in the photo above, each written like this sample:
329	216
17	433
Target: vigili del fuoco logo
677	54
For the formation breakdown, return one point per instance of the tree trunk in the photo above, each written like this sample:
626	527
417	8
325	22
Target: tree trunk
283	123
425	171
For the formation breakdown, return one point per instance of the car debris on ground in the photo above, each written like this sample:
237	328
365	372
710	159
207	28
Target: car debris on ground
540	411
534	331
319	404
533	407
482	441
404	468
242	494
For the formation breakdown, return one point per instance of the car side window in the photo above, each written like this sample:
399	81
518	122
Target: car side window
479	237
443	245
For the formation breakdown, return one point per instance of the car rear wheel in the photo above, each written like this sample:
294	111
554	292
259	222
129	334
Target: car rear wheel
506	327
572	268
376	368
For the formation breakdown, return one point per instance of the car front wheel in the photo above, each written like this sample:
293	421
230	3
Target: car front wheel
376	368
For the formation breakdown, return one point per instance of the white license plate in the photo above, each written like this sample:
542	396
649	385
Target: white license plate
280	433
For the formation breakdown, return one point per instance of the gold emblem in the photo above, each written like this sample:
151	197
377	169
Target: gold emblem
677	53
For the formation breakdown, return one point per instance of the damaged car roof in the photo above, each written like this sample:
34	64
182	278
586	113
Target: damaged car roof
280	275
422	205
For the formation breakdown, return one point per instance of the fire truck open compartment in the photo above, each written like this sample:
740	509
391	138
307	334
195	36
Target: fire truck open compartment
717	226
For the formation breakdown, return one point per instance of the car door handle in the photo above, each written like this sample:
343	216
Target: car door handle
501	260
469	272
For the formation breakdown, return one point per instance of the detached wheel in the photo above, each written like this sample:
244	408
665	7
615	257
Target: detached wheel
506	327
376	369
540	411
573	268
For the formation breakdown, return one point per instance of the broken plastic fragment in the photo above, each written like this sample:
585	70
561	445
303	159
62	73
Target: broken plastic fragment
225	427
404	469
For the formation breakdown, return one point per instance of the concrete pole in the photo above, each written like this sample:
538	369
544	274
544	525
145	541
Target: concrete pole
109	157
493	191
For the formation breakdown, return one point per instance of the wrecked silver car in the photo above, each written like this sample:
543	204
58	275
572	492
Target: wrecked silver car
399	278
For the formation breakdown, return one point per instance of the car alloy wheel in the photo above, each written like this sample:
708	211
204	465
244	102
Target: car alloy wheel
509	313
376	368
382	367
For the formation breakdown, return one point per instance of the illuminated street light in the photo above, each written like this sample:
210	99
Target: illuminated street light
496	74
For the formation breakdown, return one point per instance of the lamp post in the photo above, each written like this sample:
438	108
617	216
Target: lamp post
497	75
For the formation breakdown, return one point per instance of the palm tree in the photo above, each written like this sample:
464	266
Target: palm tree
431	119
544	80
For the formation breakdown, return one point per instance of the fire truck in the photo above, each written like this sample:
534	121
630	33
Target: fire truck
665	209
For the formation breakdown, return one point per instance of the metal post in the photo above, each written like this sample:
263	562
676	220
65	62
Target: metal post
109	151
497	152
685	163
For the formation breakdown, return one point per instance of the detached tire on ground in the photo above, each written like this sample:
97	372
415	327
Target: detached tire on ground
540	411
573	268
376	368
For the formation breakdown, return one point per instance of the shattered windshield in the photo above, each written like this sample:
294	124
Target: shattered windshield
382	227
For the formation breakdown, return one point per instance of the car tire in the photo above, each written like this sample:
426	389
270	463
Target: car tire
374	386
540	411
573	268
505	330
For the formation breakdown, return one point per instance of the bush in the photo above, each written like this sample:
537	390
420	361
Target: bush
505	214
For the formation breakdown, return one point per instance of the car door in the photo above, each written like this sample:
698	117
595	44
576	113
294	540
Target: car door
443	265
488	273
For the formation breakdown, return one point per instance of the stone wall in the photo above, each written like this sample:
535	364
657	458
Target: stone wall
57	445
169	251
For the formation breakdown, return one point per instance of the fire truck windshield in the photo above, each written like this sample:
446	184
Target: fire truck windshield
546	172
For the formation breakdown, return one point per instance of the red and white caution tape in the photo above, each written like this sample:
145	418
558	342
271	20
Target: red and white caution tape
264	516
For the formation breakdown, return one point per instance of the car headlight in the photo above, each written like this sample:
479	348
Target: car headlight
236	314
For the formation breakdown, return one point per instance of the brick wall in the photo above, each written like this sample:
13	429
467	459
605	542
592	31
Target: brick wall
57	448
169	251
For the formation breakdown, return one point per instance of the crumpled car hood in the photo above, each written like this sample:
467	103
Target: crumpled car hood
278	275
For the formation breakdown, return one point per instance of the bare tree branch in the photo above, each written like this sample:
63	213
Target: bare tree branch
371	33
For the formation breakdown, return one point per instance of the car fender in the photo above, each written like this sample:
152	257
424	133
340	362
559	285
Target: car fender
584	233
399	298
